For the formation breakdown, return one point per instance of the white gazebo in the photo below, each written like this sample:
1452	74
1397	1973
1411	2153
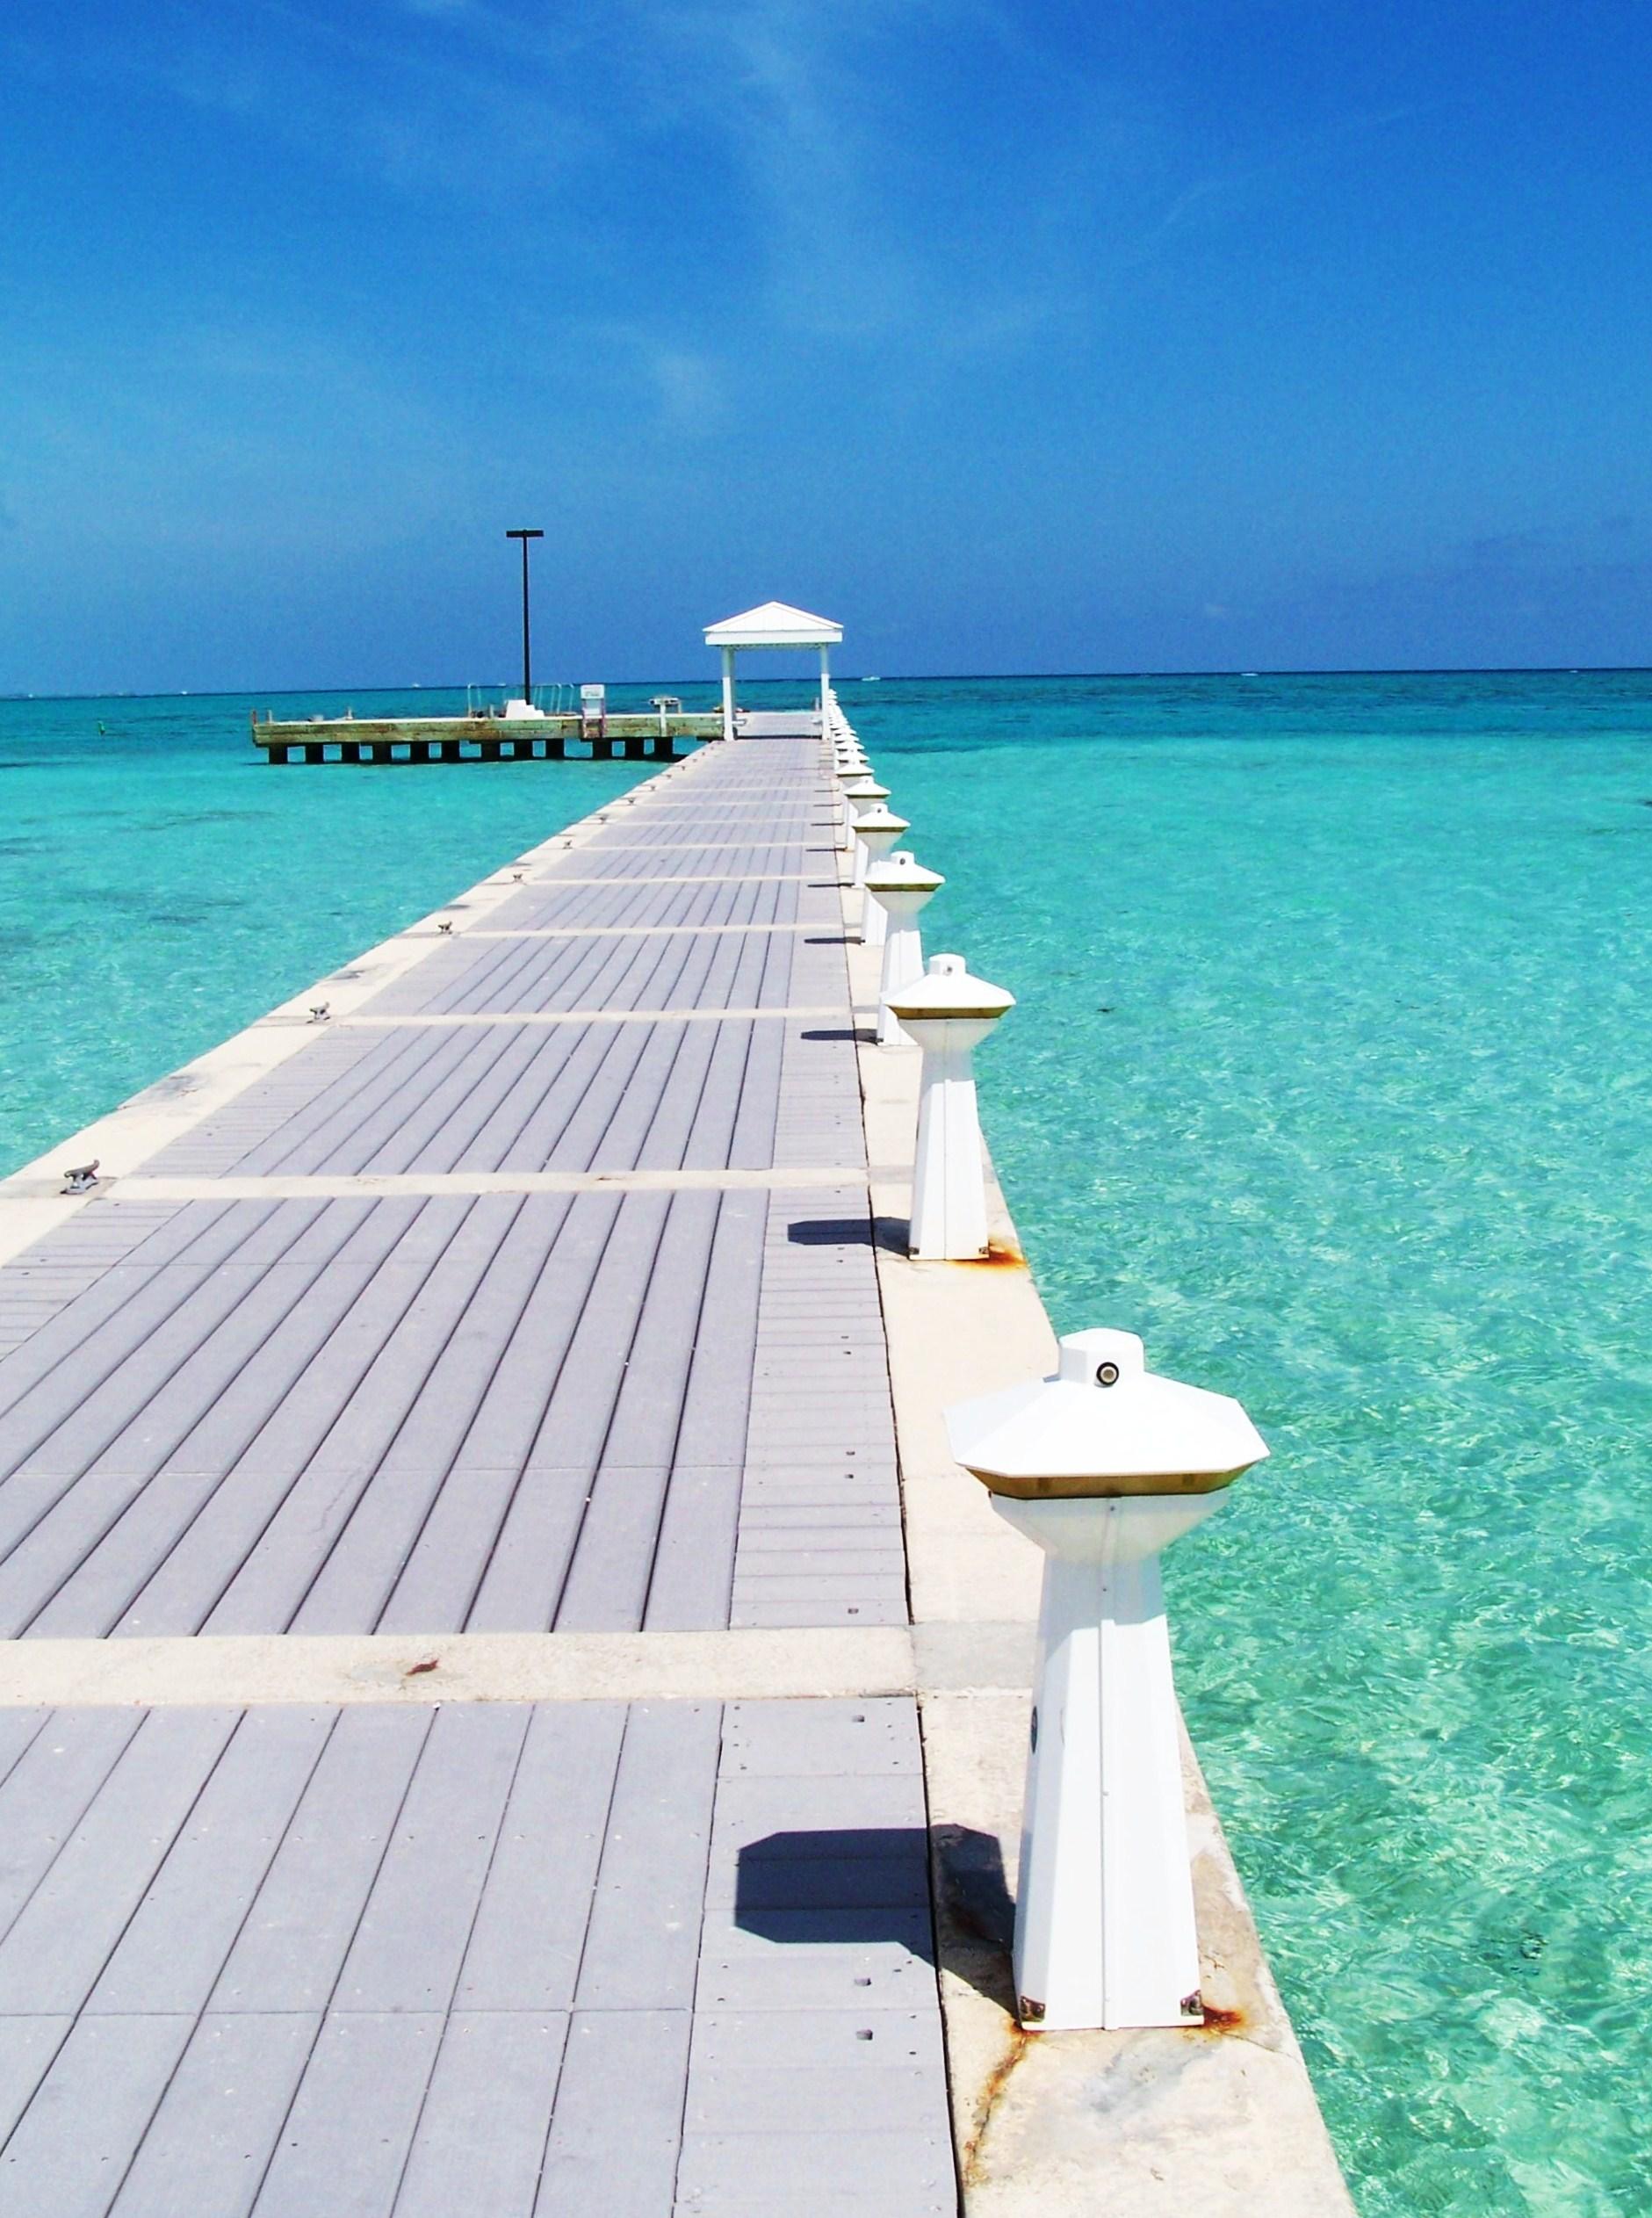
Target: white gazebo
773	624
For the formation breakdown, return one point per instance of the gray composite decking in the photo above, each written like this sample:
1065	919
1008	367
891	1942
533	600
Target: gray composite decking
490	1958
511	1411
497	1959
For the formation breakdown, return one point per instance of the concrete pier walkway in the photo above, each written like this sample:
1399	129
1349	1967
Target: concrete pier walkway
489	1722
529	1294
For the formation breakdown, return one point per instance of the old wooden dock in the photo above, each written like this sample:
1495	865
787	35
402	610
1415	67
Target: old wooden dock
534	1297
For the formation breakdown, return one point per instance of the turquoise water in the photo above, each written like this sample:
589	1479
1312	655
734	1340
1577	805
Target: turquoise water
160	884
1329	1077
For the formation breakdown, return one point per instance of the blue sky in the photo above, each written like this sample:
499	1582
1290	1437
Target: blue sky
1158	335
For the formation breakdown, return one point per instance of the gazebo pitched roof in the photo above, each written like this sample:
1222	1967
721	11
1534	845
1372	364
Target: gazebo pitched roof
775	624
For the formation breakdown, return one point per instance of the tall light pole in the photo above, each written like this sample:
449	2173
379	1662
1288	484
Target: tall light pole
527	651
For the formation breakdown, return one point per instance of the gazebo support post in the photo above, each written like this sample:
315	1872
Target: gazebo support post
826	687
728	692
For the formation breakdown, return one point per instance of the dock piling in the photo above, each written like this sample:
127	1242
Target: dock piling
476	737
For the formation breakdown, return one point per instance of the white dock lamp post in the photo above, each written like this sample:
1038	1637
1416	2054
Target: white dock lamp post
848	770
948	1014
902	888
859	795
875	834
1103	1466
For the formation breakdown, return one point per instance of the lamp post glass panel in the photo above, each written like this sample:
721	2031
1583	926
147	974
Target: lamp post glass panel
527	643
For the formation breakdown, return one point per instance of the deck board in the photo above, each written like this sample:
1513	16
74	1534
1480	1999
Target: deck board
216	2123
404	1943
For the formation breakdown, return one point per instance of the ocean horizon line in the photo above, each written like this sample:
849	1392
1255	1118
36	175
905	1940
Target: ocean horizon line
908	677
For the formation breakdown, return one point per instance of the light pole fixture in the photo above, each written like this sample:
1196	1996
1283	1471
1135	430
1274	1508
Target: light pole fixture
1103	1466
527	650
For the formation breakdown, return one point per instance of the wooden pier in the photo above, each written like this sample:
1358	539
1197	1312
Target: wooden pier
334	1362
479	739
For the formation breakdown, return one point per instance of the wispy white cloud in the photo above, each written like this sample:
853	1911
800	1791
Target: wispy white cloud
1235	190
848	211
870	227
449	94
702	197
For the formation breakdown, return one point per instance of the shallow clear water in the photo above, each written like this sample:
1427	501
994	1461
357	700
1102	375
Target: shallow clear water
1329	1077
160	885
